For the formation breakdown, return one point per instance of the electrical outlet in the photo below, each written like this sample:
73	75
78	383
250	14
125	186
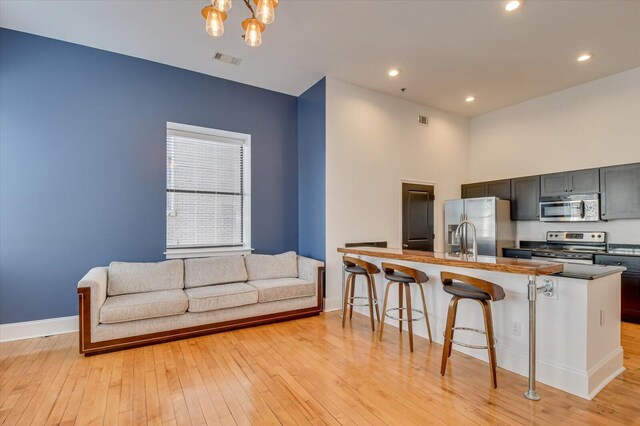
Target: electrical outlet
517	328
601	316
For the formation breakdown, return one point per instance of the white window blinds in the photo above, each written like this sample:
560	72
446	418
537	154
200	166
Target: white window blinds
206	197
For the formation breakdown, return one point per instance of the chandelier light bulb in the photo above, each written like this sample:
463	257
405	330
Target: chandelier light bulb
253	32
221	5
266	11
214	25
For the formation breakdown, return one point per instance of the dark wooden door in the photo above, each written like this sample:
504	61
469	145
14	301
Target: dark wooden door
417	217
525	198
474	190
584	181
620	196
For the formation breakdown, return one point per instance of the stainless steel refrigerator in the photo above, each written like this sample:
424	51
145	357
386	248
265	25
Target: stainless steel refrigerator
492	218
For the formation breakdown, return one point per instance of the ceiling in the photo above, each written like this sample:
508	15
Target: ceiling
445	50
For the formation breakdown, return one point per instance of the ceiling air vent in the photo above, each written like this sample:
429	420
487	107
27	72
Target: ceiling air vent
227	59
423	119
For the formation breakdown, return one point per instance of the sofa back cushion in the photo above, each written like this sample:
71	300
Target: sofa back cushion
130	277
199	272
266	267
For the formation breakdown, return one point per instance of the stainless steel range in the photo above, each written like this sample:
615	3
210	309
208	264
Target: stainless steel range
571	246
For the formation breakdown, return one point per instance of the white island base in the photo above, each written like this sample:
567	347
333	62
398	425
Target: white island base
578	328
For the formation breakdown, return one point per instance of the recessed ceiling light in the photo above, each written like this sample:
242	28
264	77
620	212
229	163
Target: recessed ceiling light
470	98
393	73
585	57
512	5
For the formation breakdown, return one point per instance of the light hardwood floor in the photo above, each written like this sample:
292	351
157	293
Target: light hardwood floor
308	371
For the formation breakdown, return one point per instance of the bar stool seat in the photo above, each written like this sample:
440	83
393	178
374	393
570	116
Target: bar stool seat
399	277
357	267
466	291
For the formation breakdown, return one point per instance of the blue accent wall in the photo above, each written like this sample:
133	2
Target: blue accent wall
82	163
311	171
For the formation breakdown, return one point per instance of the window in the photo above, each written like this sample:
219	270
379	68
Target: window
208	191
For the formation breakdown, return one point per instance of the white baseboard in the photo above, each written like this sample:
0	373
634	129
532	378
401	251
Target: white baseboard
332	304
39	328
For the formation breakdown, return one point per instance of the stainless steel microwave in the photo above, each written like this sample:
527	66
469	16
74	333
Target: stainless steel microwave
570	208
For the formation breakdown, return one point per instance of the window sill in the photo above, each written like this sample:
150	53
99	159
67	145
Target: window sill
177	253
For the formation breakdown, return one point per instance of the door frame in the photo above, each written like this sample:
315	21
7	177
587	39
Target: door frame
435	215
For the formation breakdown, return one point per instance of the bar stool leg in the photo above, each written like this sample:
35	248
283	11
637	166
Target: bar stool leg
407	290
370	294
453	332
426	314
345	304
488	327
353	289
384	307
448	335
375	295
400	286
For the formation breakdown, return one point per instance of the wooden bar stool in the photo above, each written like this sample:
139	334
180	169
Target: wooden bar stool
404	277
355	267
464	287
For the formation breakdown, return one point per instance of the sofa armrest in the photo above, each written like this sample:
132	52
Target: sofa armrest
94	285
309	269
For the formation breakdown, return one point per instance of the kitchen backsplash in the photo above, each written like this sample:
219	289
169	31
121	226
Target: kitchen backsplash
618	231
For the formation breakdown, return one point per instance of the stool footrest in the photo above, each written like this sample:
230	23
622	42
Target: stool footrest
467	345
351	299
397	318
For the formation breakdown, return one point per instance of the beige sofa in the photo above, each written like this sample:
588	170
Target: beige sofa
132	304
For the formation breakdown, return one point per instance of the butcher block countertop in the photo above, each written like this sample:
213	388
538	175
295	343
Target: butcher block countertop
487	263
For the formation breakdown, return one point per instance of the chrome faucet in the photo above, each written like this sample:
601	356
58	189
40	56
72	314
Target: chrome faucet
463	248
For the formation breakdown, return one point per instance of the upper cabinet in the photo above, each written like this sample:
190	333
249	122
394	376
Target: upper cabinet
474	190
620	198
525	196
495	188
619	188
499	188
576	182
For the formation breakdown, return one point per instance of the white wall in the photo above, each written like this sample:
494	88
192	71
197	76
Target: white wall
590	125
373	143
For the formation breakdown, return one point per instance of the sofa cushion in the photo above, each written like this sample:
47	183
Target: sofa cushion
129	277
137	306
199	272
221	296
282	288
265	267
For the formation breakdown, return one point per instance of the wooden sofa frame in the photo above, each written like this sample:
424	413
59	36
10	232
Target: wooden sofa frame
88	347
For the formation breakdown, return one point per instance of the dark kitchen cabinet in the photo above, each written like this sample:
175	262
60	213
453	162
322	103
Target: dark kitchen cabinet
620	198
630	284
584	181
576	182
553	184
474	190
494	188
525	197
499	188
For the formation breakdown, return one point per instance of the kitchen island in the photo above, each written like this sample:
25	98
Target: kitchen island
577	320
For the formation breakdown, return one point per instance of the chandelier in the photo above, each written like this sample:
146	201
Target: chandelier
216	13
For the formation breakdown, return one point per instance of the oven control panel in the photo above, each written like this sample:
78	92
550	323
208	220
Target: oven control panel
577	236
